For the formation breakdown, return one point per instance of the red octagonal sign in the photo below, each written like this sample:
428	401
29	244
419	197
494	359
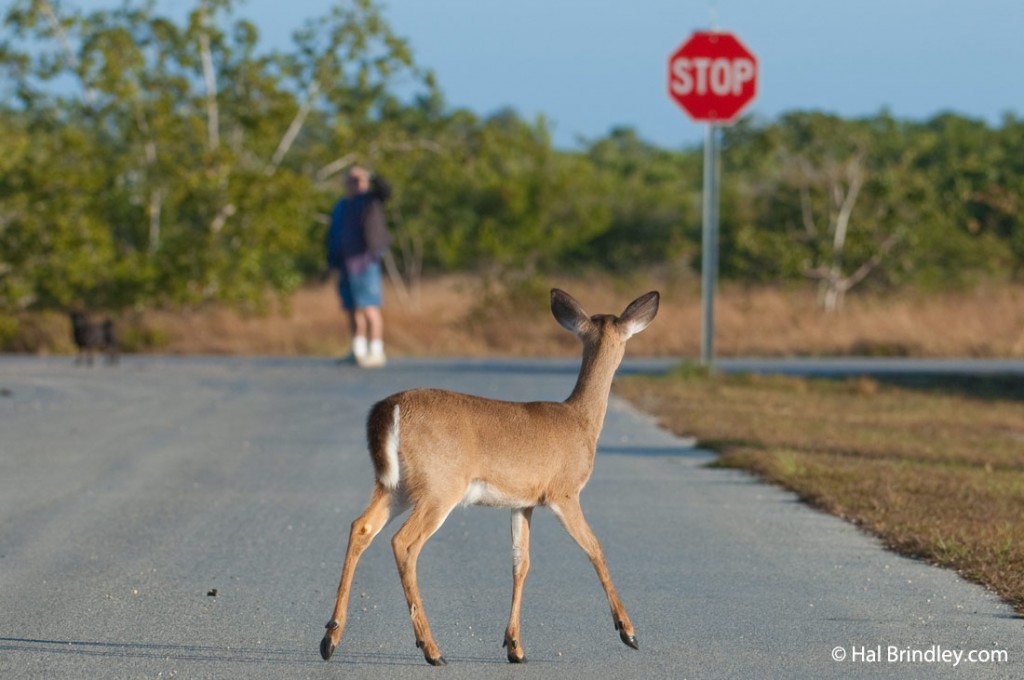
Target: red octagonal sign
713	76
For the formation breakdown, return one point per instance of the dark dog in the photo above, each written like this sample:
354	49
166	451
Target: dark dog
93	337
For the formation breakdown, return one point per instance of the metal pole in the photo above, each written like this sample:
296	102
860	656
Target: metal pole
709	253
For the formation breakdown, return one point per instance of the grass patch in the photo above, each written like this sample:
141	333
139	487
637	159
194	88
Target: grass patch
935	468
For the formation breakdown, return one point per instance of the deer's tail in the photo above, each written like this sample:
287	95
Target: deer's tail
383	432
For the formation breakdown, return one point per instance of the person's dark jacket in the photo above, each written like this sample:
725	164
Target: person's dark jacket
373	239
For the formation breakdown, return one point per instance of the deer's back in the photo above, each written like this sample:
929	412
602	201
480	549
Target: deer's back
491	449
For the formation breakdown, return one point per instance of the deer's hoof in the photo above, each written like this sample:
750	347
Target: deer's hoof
433	661
326	647
513	646
630	640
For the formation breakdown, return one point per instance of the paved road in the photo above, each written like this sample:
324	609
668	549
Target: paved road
129	493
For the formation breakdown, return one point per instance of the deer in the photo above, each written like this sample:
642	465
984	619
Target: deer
433	450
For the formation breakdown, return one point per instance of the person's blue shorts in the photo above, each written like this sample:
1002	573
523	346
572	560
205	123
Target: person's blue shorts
362	289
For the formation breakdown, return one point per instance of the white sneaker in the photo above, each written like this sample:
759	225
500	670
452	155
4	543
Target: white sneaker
373	360
360	350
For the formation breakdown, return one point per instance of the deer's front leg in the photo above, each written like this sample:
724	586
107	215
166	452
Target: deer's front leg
571	516
520	567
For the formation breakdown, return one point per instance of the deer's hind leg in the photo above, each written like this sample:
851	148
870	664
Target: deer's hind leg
364	529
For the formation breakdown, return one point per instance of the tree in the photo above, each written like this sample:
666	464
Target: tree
819	194
176	171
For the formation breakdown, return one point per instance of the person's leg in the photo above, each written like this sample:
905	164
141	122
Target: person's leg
371	309
375	332
360	328
357	324
374	323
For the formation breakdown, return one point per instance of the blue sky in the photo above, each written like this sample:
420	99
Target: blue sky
591	65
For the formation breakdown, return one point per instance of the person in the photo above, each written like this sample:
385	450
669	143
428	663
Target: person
357	240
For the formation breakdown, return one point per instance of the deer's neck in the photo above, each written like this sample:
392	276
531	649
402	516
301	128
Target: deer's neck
594	383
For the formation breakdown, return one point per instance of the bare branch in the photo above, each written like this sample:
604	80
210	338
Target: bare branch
69	54
835	286
335	167
401	290
210	78
156	202
294	128
806	212
339	164
875	260
855	175
222	217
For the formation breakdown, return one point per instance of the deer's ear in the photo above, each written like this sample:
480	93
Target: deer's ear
639	313
568	312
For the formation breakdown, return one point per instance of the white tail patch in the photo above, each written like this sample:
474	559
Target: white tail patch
391	472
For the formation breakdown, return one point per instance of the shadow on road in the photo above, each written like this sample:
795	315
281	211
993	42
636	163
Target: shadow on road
201	653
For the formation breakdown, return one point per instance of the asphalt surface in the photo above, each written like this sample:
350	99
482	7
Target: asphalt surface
130	494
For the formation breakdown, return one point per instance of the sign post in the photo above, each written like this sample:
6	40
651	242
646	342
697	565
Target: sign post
709	249
712	76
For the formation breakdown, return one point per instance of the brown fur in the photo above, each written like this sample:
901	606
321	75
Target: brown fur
457	448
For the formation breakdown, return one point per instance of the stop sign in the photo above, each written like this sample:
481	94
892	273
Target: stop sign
712	76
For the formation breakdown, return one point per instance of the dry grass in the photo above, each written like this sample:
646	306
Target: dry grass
456	316
451	318
936	469
460	316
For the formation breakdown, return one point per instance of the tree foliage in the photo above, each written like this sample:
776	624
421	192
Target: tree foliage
152	161
872	200
164	163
